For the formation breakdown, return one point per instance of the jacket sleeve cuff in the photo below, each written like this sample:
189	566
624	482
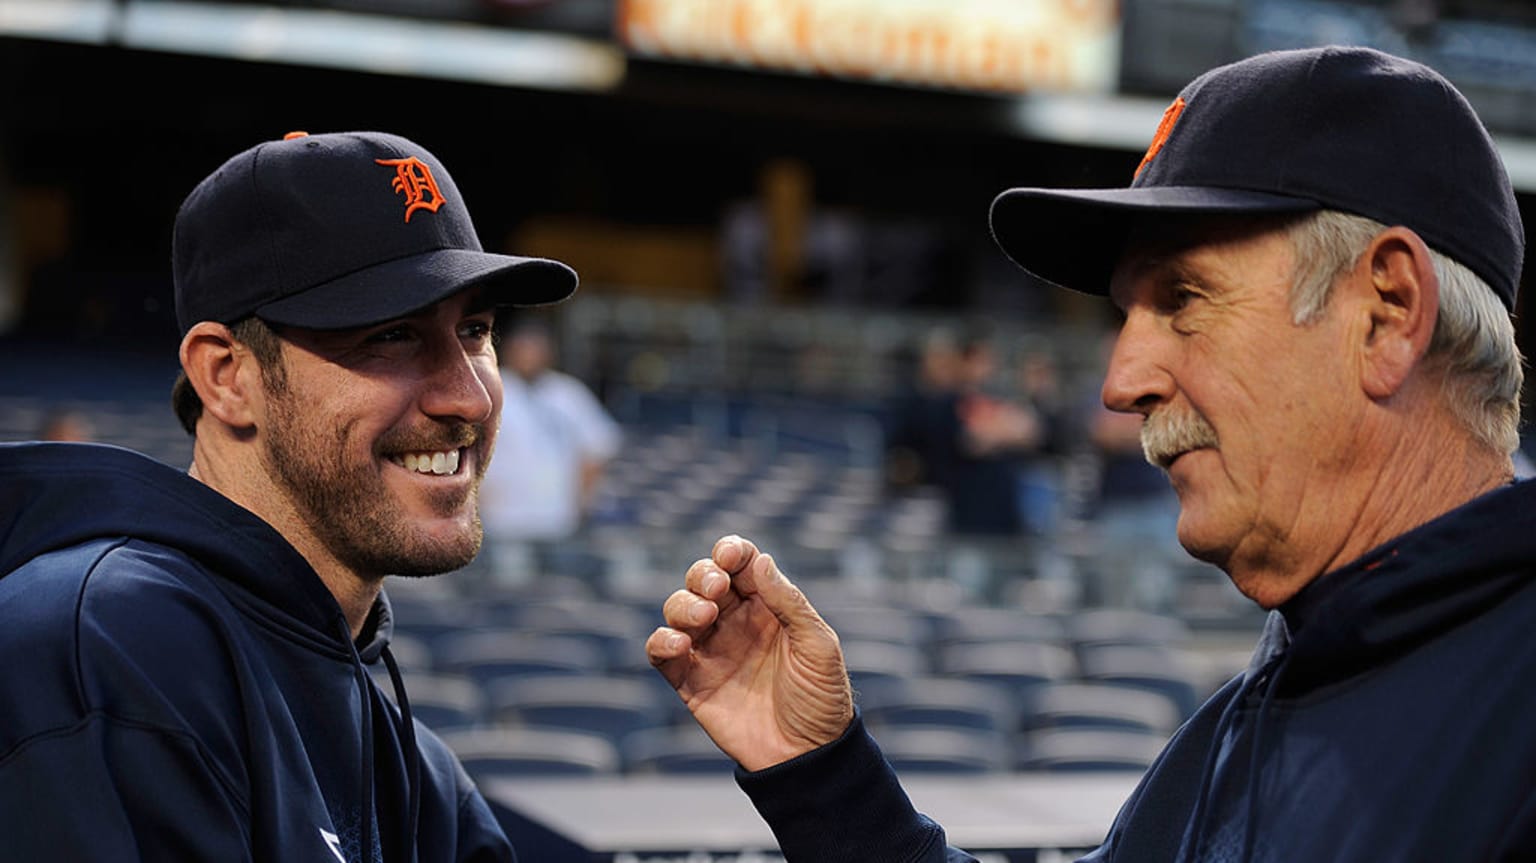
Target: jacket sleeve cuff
841	802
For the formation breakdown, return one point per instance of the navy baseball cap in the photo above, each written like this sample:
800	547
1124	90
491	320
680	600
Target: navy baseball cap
1338	128
335	231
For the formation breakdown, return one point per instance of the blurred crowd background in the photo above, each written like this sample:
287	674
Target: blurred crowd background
793	323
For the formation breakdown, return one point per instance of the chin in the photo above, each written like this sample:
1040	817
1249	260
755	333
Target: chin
1204	548
1267	593
437	558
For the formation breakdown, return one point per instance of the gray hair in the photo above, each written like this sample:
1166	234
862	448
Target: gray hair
1474	337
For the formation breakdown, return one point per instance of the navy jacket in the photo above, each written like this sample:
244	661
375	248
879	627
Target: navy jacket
178	684
1389	714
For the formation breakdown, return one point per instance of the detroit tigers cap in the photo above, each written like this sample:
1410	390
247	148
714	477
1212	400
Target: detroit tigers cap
338	230
1341	128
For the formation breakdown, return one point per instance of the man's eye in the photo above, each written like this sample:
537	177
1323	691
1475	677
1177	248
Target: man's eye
392	334
475	330
1177	296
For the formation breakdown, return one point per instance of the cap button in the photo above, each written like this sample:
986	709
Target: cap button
291	135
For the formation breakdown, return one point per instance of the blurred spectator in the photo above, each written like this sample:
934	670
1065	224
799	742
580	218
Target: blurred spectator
946	431
556	439
780	245
66	424
1040	389
1134	509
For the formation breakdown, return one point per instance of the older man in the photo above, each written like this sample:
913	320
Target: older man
187	652
1316	262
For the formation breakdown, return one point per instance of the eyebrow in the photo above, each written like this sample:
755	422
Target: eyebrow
1140	264
1164	266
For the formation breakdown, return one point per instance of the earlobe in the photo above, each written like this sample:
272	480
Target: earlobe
223	373
1403	302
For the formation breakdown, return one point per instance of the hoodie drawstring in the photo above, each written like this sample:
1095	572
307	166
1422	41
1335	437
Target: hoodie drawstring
412	753
365	791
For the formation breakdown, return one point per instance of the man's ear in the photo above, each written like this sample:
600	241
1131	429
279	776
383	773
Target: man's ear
1401	292
224	373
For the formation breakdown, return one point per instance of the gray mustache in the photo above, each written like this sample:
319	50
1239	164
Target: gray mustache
1169	433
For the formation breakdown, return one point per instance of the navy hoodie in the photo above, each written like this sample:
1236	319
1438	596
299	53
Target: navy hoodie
1389	714
178	684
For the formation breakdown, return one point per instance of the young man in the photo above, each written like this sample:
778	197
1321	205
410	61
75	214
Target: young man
1316	262
188	652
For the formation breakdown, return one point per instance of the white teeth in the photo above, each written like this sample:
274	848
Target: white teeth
440	463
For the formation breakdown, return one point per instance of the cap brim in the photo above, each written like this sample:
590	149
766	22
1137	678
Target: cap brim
397	288
1072	238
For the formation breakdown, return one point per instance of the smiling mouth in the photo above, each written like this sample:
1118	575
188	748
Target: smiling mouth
436	463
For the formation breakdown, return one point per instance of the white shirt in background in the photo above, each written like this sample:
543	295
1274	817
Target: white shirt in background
549	428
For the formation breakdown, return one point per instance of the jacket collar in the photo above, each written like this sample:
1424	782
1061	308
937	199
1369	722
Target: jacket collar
1413	587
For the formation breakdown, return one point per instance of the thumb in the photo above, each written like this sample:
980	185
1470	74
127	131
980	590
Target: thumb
779	595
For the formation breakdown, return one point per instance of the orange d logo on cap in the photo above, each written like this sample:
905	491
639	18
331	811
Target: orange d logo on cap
414	178
1160	137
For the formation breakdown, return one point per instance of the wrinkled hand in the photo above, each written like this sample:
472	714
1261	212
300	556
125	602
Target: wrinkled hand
756	665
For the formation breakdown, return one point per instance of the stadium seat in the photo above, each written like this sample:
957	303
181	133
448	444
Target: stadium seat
525	610
682	749
1015	667
1111	626
917	749
613	707
489	655
988	624
412	653
620	647
1063	750
876	665
1164	669
946	702
442	702
431	618
877	623
1076	704
491	752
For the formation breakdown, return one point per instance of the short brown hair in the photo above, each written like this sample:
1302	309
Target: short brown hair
263	343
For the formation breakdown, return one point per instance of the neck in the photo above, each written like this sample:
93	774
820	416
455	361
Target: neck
254	490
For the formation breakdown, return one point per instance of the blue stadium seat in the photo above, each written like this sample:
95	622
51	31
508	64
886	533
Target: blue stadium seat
876	665
682	749
494	752
917	749
412	653
945	702
1168	670
613	707
876	623
490	655
1078	750
1107	626
1077	704
1015	667
989	624
442	702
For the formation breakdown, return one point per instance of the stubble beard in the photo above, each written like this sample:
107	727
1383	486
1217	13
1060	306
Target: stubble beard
351	510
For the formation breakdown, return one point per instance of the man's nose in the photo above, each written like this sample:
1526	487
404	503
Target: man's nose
1137	379
459	389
